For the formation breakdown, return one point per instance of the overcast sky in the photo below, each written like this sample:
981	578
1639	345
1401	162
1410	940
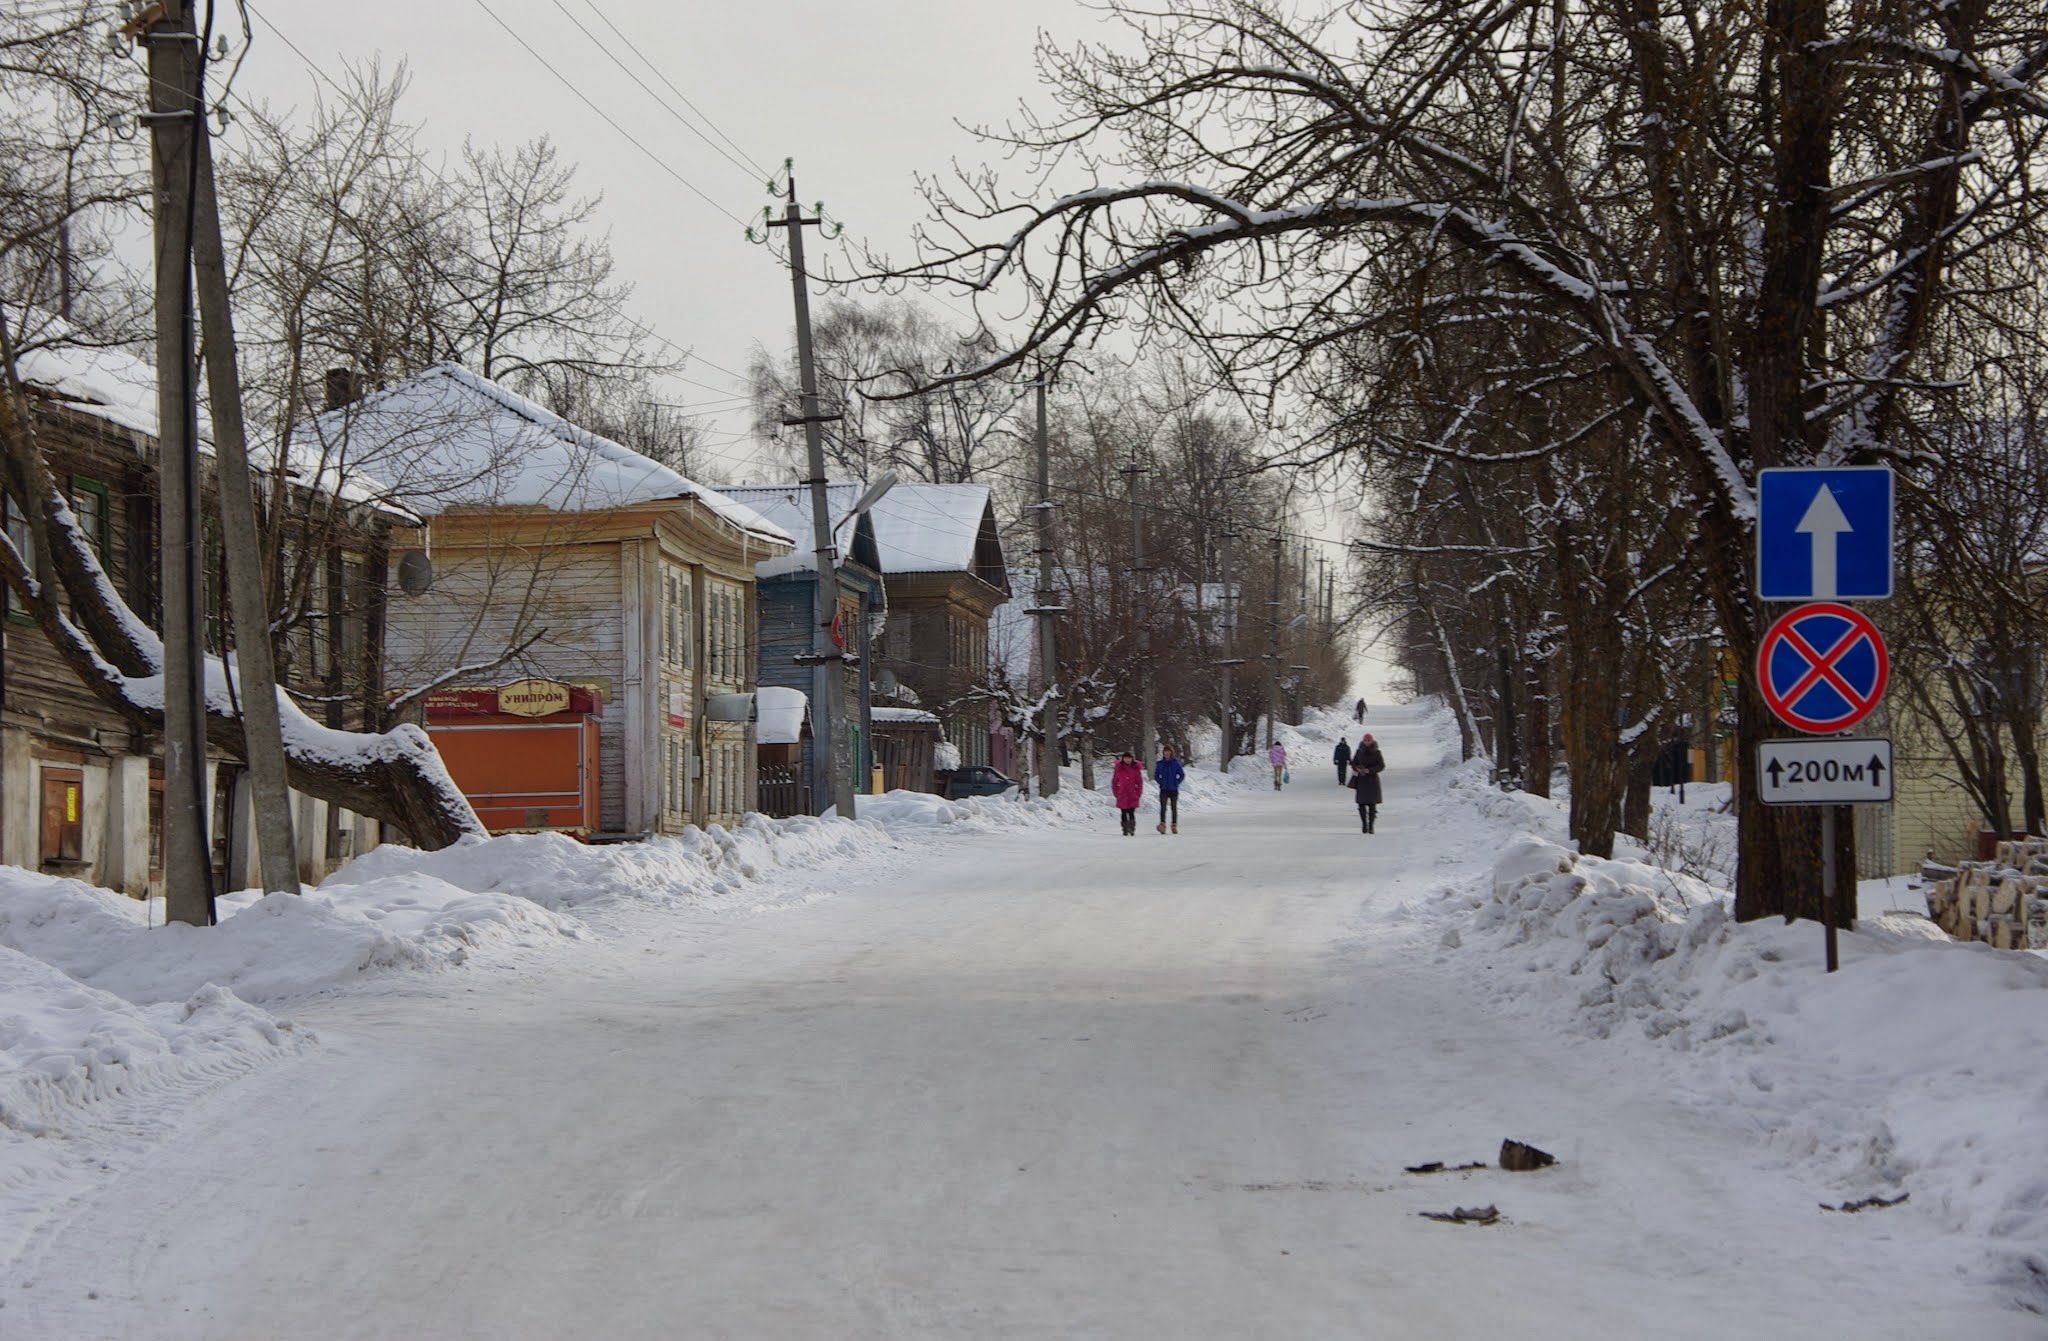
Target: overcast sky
863	94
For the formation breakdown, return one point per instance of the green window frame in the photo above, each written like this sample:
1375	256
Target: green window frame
17	531
96	518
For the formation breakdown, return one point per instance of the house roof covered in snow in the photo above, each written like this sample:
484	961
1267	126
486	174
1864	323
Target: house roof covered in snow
114	385
917	528
789	507
450	438
109	384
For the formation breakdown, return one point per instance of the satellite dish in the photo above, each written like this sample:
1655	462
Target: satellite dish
415	572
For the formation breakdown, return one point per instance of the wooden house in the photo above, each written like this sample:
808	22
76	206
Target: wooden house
81	791
787	603
549	560
943	575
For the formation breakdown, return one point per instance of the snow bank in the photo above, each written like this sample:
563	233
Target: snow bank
1913	1070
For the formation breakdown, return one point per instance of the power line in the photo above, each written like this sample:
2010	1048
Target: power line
628	135
750	164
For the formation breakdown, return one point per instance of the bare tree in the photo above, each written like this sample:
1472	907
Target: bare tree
1747	222
964	430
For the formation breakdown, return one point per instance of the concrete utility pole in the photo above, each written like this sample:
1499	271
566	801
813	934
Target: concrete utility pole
1273	650
828	677
255	667
175	58
1141	579
1046	612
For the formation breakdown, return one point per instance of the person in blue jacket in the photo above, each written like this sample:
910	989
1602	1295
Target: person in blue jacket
1167	773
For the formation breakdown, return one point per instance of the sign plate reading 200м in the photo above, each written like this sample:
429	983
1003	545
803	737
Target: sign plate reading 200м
1838	770
1822	667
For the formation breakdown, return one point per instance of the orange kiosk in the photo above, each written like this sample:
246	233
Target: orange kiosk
525	754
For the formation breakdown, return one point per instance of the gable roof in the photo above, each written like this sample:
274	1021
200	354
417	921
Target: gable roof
450	438
940	528
789	507
915	528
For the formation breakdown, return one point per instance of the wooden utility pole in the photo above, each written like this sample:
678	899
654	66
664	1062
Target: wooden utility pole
175	61
1230	660
1273	651
1046	612
828	676
255	664
1141	581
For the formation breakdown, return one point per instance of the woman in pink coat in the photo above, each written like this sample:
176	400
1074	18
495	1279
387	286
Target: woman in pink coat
1127	787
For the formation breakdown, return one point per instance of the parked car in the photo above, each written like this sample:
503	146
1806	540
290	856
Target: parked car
977	780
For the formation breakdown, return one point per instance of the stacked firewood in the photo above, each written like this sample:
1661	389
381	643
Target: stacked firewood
2002	902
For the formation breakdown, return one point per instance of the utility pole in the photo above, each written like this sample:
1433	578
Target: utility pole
1046	612
255	666
1229	661
1273	651
828	678
175	60
1148	726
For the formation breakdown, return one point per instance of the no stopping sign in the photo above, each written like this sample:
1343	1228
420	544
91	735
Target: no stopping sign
1822	667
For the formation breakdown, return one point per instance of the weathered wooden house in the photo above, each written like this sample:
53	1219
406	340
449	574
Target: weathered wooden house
943	575
787	603
548	561
80	789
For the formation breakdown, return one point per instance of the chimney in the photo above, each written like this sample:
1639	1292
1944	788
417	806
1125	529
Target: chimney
344	387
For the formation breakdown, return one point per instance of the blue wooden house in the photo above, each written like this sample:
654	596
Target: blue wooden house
784	592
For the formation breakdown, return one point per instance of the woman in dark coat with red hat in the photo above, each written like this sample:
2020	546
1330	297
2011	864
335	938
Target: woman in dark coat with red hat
1367	763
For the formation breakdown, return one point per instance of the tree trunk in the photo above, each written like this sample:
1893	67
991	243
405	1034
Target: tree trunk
1777	847
1537	751
1635	805
1591	753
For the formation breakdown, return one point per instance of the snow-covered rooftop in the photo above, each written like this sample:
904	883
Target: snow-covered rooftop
789	507
930	528
449	438
904	715
114	385
109	384
918	528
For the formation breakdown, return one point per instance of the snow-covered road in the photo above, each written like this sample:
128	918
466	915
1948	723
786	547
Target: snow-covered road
1044	1084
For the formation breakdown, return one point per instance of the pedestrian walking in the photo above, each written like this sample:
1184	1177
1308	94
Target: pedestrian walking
1367	763
1361	712
1342	755
1127	789
1276	755
1168	773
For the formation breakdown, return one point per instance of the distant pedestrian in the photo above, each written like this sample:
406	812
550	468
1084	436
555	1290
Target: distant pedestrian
1169	773
1361	712
1342	755
1127	788
1367	763
1276	755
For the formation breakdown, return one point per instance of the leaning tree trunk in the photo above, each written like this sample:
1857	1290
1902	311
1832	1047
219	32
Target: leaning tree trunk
396	777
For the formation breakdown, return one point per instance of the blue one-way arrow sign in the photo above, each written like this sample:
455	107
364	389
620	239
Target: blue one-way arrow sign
1824	534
